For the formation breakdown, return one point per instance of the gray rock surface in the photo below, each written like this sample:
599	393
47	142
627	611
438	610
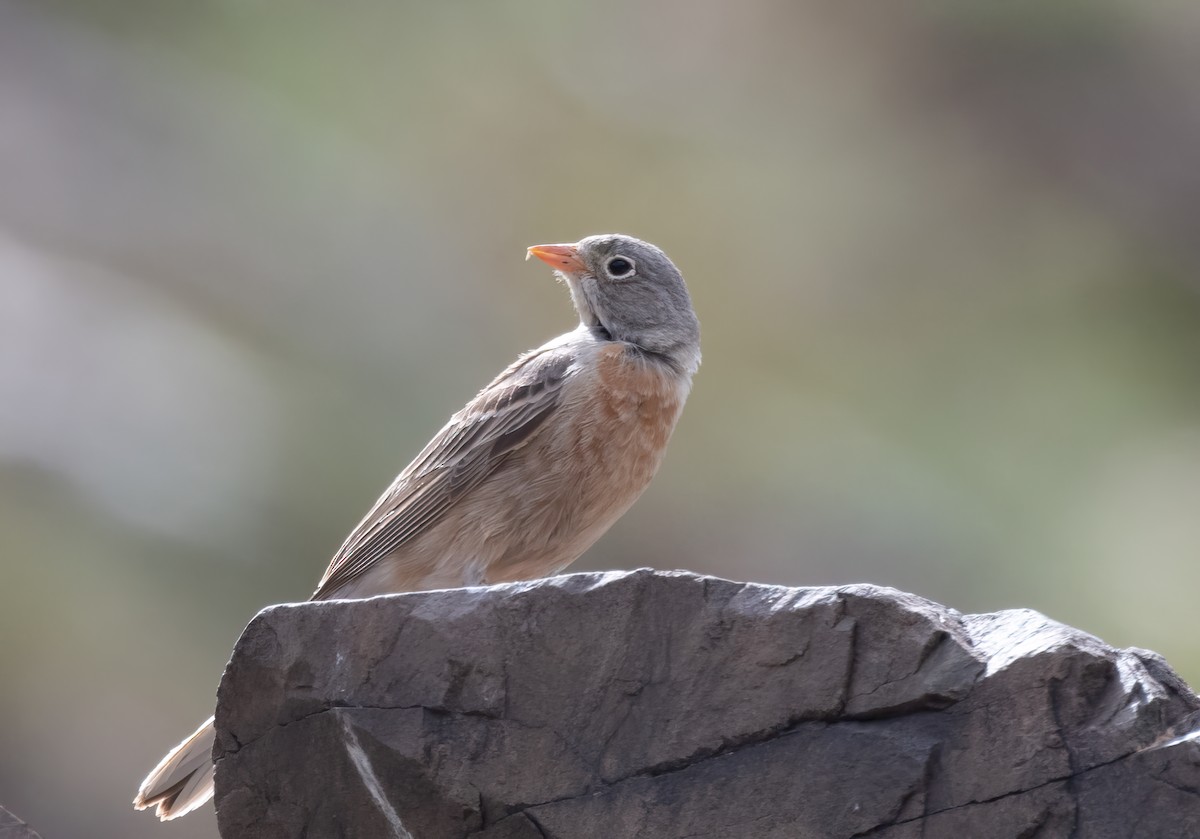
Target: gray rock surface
13	828
660	705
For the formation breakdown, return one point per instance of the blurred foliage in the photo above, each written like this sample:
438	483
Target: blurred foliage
252	254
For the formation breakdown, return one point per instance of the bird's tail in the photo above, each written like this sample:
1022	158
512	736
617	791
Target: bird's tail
183	780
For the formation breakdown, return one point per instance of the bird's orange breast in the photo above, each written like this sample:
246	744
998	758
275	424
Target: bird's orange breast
636	405
578	477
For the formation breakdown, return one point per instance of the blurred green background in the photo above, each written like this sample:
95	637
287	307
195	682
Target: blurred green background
946	256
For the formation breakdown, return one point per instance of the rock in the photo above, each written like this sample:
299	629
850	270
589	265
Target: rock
658	705
13	828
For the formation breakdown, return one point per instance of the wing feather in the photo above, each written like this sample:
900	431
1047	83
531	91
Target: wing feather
476	440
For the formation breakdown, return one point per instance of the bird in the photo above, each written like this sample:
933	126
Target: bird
526	477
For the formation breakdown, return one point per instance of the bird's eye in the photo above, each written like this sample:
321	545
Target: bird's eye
619	267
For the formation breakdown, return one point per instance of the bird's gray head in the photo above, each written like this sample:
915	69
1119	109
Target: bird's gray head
628	290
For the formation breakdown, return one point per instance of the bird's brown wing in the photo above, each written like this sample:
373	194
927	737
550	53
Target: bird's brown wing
476	440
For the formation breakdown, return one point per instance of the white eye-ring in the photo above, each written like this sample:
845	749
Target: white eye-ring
619	267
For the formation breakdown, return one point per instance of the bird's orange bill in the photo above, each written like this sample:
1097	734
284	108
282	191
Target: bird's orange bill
562	257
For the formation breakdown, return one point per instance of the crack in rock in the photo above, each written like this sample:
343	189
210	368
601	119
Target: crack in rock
992	799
